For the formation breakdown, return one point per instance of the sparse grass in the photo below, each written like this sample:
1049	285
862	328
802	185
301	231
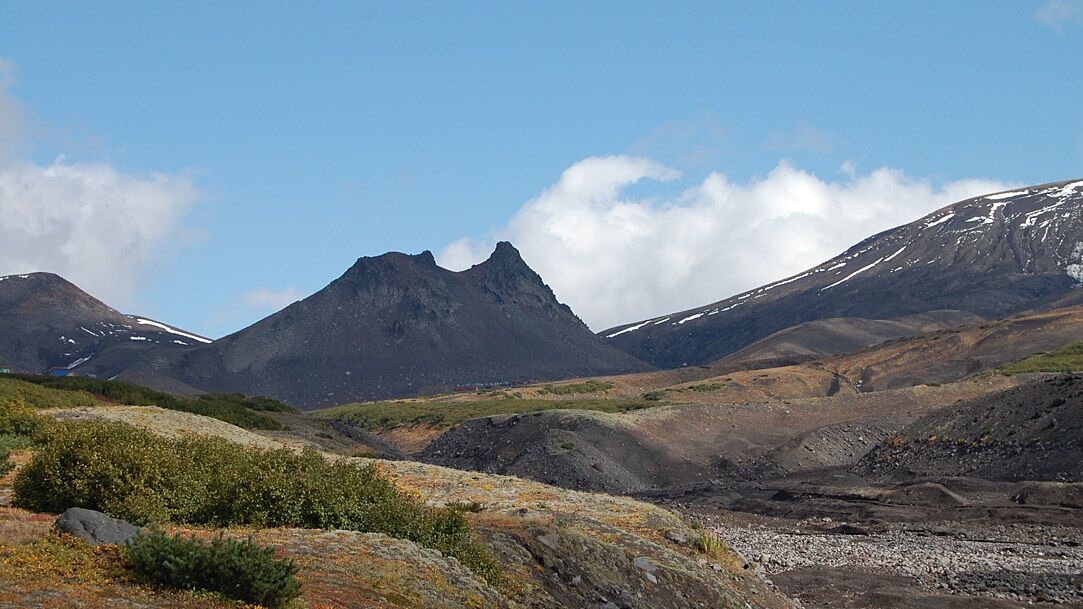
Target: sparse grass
590	386
1066	359
380	416
77	391
710	543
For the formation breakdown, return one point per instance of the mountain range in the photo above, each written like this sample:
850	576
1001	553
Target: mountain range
399	325
390	326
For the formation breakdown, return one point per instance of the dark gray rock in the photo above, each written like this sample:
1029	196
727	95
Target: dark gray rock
95	528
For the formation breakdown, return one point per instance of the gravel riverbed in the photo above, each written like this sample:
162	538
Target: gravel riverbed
1014	562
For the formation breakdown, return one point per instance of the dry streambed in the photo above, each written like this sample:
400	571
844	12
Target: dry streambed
831	564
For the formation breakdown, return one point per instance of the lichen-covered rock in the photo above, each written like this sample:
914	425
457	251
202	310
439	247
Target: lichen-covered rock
93	527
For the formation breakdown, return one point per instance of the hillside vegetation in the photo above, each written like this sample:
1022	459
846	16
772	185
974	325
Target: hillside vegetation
77	391
1066	359
381	416
133	474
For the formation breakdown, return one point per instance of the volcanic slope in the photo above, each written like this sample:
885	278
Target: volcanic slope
46	321
990	256
1031	432
398	325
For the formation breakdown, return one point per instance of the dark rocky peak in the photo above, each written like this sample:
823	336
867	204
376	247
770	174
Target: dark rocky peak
46	290
507	279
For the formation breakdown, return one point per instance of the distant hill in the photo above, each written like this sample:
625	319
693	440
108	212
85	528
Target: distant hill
46	322
398	325
989	256
836	336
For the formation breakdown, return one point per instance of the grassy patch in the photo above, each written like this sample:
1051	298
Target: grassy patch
379	416
1066	359
133	474
77	391
584	387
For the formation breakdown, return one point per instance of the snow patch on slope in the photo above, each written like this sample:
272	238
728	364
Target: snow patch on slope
147	322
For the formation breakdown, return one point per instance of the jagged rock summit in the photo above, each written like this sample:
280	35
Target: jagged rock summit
397	325
990	256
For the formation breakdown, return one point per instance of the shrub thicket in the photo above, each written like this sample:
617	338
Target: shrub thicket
18	422
15	389
133	474
236	569
236	408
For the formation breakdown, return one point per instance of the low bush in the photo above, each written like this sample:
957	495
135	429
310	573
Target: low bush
132	474
13	389
236	569
18	419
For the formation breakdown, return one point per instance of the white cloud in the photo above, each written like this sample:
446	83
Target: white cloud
98	227
616	259
263	298
1059	13
12	118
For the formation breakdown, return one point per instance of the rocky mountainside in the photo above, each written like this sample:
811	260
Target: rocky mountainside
46	322
990	256
398	325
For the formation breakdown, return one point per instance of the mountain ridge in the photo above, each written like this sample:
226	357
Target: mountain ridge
984	255
397	325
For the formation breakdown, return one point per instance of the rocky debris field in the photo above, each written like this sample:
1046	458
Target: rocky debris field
826	563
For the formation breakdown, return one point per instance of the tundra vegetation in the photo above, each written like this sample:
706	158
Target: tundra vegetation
380	416
76	391
133	474
1066	359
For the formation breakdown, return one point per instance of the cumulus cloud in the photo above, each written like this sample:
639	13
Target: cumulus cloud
263	298
1059	13
617	259
98	227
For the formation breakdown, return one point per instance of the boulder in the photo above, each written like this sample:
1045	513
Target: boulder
95	528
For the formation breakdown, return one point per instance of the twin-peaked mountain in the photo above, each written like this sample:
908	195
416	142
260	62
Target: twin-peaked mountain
989	256
397	325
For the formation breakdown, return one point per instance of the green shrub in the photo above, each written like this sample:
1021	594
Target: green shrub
132	474
18	419
235	569
654	396
591	386
14	389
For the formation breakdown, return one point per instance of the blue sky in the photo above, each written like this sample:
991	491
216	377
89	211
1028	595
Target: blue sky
317	134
